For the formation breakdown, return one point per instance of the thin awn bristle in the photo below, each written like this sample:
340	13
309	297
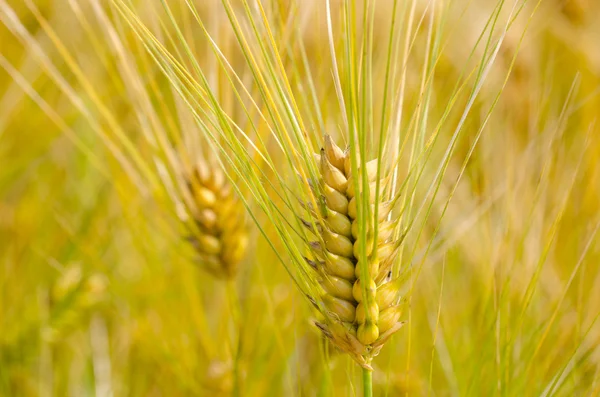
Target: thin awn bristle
221	238
357	320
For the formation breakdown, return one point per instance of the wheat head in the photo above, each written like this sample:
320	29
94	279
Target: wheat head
72	297
357	320
220	236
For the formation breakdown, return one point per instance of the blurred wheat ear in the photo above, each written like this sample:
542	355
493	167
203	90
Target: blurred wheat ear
221	237
72	298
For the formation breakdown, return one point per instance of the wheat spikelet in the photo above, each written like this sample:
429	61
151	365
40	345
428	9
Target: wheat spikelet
358	321
220	239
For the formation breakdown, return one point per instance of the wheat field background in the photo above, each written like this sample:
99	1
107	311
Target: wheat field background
104	288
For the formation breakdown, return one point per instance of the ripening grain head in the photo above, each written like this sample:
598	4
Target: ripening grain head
360	299
222	236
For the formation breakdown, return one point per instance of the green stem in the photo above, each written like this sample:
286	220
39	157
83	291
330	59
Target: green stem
235	342
367	383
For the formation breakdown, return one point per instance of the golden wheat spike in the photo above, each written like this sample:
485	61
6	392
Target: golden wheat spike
221	238
357	320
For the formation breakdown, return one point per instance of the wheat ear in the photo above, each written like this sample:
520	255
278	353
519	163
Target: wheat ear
358	321
220	236
72	297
